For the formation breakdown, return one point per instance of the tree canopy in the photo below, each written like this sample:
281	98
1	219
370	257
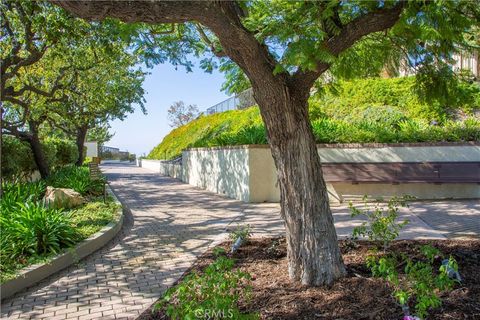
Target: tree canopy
60	72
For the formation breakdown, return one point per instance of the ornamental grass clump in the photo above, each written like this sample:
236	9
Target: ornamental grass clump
33	230
20	193
33	233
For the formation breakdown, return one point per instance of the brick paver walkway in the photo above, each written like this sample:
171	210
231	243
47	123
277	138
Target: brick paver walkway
167	226
454	219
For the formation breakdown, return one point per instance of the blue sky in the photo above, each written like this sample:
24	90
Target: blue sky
139	133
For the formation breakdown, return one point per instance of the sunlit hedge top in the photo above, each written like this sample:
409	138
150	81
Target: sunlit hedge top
370	110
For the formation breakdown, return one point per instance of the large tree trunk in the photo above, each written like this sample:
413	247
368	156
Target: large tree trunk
37	150
80	141
314	257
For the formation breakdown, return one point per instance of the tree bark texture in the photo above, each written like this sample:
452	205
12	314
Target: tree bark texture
37	150
314	257
80	142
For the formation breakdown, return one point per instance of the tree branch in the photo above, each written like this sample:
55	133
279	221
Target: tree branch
48	94
374	21
21	122
216	51
222	17
136	11
15	101
169	31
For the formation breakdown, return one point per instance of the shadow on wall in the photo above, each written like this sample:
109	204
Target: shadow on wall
248	173
223	171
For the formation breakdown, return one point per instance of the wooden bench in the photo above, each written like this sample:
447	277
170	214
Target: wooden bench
403	172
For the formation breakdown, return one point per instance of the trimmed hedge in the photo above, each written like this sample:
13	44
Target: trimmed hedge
17	157
18	161
368	110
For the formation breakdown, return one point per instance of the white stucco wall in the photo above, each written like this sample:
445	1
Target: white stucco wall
264	187
401	154
153	165
171	170
223	171
248	173
162	167
92	148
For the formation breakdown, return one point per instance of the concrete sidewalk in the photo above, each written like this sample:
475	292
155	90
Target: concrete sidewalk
168	225
265	220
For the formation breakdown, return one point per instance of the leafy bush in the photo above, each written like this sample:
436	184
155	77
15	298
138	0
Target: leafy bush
20	193
76	178
243	232
17	158
31	233
66	151
338	131
211	295
255	134
419	284
378	114
402	94
49	149
381	225
19	162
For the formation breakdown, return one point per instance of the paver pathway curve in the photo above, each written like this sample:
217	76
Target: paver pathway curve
168	225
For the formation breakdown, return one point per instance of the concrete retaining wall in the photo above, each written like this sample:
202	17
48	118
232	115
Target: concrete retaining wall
265	188
162	167
223	171
153	165
92	149
248	173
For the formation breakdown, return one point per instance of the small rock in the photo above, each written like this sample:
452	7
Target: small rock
62	198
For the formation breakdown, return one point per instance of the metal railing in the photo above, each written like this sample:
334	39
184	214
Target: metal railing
240	101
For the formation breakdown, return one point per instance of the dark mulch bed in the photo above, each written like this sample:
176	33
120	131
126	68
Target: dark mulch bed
357	296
